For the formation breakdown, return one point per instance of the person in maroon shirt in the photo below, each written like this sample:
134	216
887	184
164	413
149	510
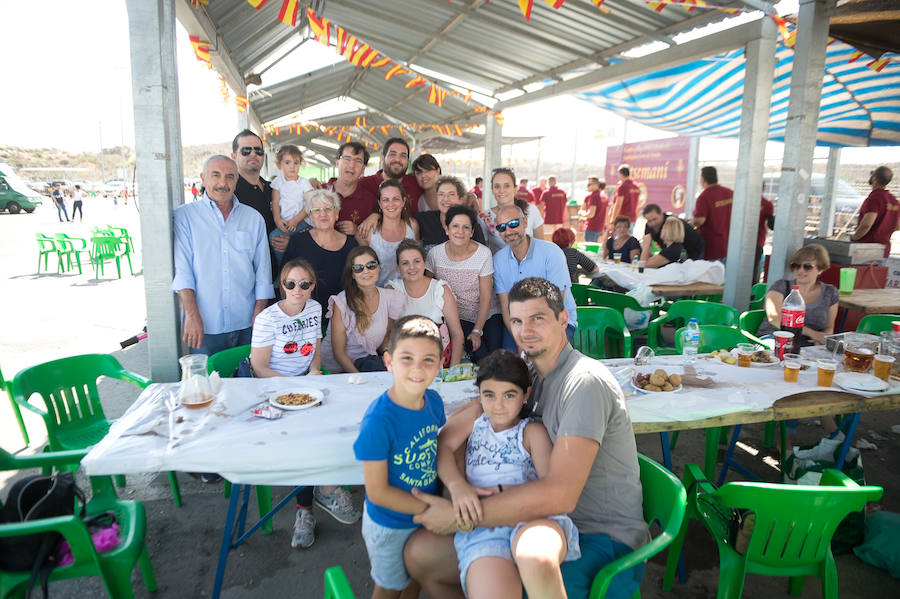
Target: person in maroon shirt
477	188
554	200
879	213
538	191
766	221
712	214
522	192
593	211
394	164
357	201
628	197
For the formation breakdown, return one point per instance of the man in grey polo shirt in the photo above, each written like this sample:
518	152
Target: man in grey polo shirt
594	474
525	257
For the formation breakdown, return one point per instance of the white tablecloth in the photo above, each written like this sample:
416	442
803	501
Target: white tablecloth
691	271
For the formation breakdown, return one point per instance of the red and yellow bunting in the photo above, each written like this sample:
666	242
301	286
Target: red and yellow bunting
345	133
196	3
201	49
288	12
241	103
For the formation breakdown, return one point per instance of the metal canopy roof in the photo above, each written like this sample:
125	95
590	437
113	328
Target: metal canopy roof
487	47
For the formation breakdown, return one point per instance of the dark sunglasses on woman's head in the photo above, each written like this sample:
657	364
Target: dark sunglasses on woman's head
246	151
358	268
513	224
289	284
807	266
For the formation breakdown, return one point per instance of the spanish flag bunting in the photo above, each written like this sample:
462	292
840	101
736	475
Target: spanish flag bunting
360	121
436	95
385	129
362	54
879	64
288	13
498	116
201	49
257	4
402	131
372	129
241	102
657	6
196	3
368	56
525	6
856	56
415	81
346	43
320	26
458	130
782	25
599	4
381	61
395	70
791	39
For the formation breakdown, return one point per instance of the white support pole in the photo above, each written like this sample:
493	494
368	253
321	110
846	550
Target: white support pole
493	133
574	164
800	133
832	176
693	170
157	134
537	168
760	68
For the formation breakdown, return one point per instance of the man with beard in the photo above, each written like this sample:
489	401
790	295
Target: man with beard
394	163
222	270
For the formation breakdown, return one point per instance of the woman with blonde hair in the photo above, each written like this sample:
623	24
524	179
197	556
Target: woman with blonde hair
672	235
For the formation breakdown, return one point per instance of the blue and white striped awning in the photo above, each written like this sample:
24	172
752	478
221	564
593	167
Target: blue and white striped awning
860	106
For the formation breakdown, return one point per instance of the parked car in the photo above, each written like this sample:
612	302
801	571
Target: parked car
15	195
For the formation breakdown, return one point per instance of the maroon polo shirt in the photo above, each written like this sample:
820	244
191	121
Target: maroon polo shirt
357	206
714	204
887	209
410	186
631	196
554	200
476	191
536	193
766	209
522	193
598	221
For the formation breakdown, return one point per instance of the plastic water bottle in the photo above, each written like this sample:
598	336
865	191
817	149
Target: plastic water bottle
691	342
793	316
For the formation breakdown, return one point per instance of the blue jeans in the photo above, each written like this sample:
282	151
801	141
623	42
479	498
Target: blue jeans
61	211
369	364
276	232
597	550
592	236
491	339
213	344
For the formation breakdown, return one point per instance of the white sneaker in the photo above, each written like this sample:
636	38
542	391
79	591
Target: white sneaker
823	451
304	529
338	504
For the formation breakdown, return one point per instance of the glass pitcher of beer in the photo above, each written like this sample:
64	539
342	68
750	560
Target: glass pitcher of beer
858	357
196	391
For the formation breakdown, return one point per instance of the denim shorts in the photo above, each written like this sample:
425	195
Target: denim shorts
597	550
385	548
497	542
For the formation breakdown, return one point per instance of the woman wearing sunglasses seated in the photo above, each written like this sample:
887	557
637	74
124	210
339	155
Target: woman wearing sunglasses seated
821	298
361	316
287	336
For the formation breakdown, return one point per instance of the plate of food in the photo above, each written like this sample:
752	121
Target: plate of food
761	358
658	381
860	381
297	399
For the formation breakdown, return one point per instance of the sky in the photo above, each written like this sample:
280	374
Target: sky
74	88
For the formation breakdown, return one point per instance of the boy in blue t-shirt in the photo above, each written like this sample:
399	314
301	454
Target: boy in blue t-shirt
397	444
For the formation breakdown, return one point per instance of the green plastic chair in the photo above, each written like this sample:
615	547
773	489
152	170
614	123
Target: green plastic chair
664	502
336	584
588	247
71	248
683	310
580	294
225	363
620	301
72	411
114	567
876	323
47	246
108	247
757	296
716	336
4	385
122	233
791	535
750	320
595	325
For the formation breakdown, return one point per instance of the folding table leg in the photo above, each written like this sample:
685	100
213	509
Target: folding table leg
851	424
666	452
225	547
711	455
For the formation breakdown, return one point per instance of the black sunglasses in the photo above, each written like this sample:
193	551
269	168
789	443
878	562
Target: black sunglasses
289	284
807	266
246	151
358	268
513	224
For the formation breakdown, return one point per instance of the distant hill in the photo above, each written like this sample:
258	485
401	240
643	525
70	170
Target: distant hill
22	158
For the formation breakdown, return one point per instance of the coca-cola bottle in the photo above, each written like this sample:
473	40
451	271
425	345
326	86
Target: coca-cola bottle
793	315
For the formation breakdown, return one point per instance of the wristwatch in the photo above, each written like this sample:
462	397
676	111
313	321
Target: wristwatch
479	331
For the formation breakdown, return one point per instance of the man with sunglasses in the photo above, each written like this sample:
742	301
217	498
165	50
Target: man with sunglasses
525	257
222	270
879	214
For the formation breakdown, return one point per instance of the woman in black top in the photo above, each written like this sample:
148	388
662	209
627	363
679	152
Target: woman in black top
672	235
450	192
623	242
575	260
323	246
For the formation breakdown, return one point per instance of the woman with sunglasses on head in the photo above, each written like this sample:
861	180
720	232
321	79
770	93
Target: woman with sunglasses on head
394	225
503	186
429	297
323	246
821	298
361	317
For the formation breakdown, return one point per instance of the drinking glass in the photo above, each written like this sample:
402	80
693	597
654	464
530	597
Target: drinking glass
791	368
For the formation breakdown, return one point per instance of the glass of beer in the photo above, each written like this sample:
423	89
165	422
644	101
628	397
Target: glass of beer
791	368
883	366
858	358
617	257
745	354
827	368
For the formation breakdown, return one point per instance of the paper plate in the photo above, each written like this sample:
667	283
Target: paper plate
860	381
272	397
639	390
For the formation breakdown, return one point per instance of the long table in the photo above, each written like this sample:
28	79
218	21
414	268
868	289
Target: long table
870	301
314	446
674	280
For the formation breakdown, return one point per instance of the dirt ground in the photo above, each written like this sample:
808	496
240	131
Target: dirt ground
51	315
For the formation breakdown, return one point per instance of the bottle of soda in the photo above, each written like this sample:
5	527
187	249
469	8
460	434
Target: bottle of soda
793	315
